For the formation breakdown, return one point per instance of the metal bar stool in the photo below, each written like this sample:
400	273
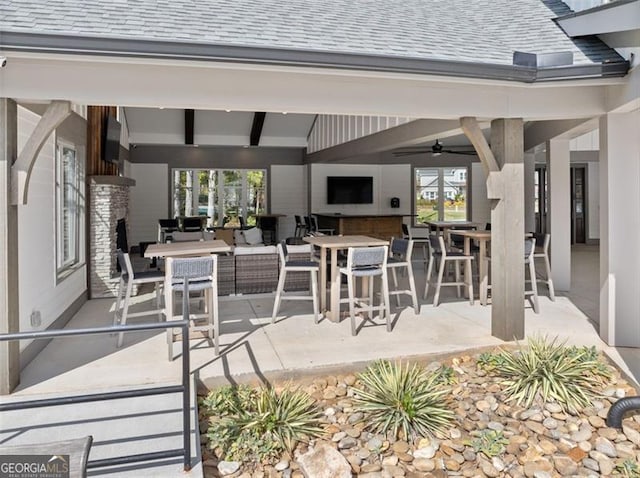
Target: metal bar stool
201	273
367	263
400	258
438	252
287	265
128	278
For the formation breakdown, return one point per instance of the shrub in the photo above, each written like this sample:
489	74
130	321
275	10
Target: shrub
489	361
546	369
490	442
260	424
628	469
402	399
445	375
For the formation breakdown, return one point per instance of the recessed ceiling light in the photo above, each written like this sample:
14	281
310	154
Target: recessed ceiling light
228	111
161	107
284	112
245	146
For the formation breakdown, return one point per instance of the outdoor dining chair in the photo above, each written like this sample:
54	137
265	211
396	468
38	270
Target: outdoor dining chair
367	263
400	258
439	253
129	278
287	265
542	252
201	274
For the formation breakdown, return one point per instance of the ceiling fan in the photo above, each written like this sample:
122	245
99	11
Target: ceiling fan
435	150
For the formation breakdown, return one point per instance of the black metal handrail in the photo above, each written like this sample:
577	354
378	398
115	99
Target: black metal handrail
183	388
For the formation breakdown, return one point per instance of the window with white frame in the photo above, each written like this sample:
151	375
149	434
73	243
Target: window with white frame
68	208
223	195
440	194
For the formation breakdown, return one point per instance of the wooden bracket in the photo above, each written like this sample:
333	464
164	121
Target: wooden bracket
472	130
56	113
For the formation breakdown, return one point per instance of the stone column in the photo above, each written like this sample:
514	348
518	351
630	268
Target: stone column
9	288
507	227
109	199
620	229
559	211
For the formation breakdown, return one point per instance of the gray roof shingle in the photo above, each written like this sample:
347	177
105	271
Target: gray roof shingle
479	31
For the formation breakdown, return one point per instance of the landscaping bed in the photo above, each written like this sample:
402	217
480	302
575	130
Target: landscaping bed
472	415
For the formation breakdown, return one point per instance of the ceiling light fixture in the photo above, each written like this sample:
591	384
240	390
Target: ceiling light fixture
284	112
228	111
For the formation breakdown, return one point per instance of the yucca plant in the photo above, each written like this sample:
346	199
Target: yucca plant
547	369
628	469
402	399
260	424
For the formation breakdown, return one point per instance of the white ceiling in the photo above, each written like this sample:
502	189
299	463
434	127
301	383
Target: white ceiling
219	128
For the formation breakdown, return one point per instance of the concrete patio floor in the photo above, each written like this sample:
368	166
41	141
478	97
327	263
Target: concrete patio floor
253	349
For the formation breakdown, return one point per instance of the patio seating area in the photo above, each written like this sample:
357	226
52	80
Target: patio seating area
251	348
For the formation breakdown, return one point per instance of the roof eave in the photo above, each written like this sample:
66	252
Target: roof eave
125	47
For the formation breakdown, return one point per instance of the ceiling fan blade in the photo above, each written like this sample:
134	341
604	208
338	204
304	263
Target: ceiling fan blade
409	153
464	153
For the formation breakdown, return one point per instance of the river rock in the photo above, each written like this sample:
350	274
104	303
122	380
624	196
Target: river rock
606	447
228	467
424	464
324	462
425	452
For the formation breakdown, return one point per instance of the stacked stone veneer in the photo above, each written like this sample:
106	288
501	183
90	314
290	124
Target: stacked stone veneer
109	201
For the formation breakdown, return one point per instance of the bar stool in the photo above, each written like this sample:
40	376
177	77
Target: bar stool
400	257
529	250
128	278
438	251
312	267
201	273
367	262
422	241
543	253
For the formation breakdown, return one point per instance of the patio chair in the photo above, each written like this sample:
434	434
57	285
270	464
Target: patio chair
192	224
438	252
165	228
542	252
301	228
201	273
129	278
367	263
529	251
314	227
400	258
422	241
287	265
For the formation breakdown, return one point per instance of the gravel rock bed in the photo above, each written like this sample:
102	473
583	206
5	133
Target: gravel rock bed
541	441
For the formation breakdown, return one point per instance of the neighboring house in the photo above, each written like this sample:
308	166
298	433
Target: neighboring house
205	85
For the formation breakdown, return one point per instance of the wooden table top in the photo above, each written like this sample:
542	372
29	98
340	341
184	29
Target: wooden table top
187	248
344	242
446	224
471	233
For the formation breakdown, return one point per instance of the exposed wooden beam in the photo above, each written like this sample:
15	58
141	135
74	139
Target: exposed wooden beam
408	134
56	113
189	122
256	127
542	131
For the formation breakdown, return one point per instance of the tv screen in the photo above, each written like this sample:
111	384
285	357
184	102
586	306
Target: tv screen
111	143
349	190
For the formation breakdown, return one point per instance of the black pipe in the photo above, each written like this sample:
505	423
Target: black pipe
618	409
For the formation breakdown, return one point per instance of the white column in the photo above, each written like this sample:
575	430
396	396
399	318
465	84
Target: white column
9	287
620	229
559	211
529	192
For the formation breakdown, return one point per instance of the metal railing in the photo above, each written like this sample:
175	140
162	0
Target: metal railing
183	388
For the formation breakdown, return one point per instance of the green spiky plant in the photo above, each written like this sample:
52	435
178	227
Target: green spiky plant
628	469
548	370
490	442
260	424
404	400
445	375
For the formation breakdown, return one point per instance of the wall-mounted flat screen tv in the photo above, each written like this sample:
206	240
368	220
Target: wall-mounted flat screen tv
349	190
111	141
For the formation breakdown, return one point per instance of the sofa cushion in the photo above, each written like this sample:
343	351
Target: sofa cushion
253	236
208	235
225	235
248	250
238	238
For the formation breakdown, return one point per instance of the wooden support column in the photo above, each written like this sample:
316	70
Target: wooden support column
507	232
504	165
9	297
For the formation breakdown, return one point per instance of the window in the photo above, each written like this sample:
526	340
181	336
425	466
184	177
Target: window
68	207
441	194
223	195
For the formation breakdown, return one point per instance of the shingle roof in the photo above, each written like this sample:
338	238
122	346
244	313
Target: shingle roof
478	31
